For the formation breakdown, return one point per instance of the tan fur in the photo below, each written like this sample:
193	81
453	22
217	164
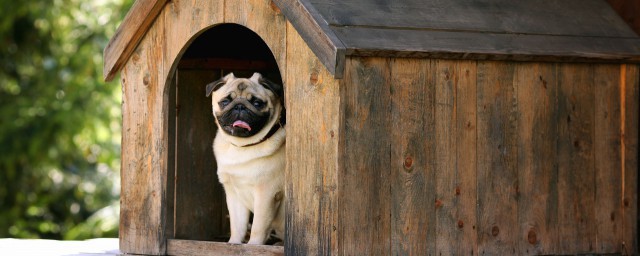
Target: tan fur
252	176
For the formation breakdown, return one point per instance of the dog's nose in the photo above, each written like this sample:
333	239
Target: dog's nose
239	107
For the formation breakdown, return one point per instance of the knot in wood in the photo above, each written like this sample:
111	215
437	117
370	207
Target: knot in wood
275	8
146	79
438	203
495	231
532	237
313	78
408	163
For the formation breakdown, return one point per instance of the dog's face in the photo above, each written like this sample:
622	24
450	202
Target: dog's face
245	107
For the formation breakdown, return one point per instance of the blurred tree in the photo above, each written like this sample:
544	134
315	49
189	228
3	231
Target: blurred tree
59	122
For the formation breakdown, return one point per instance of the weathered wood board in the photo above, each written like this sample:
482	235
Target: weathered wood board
313	107
146	193
411	173
200	248
630	108
589	17
539	145
365	167
537	161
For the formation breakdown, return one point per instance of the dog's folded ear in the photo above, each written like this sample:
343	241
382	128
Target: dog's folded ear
215	85
271	86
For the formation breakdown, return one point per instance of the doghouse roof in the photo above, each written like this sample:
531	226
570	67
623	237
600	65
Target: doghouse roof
543	30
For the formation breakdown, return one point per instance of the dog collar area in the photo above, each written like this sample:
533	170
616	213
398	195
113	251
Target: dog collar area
273	131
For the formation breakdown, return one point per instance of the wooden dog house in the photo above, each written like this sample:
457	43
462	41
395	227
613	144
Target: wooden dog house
413	127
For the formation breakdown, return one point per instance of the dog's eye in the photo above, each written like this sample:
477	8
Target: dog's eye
224	102
258	103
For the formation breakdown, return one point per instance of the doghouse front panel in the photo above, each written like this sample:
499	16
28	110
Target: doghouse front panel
482	157
145	196
313	121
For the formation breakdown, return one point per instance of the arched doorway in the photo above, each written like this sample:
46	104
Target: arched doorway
199	206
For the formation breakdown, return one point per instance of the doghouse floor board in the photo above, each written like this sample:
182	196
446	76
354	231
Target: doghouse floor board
197	248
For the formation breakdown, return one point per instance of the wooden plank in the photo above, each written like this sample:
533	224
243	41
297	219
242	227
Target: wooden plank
445	175
200	212
261	18
537	139
412	171
171	158
497	158
204	248
607	155
365	165
630	107
366	41
466	157
576	177
316	33
313	134
184	22
231	64
129	34
145	147
546	17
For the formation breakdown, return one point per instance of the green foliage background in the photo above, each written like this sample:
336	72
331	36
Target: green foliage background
59	121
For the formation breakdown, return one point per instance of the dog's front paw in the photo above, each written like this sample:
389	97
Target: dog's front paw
234	240
256	240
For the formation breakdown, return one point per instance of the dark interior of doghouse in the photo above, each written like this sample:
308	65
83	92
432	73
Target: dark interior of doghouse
199	206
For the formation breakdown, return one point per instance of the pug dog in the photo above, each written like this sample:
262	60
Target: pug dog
249	148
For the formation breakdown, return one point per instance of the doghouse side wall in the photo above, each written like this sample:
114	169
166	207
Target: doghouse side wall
482	157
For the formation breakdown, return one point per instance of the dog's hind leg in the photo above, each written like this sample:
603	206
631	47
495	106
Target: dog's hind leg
265	210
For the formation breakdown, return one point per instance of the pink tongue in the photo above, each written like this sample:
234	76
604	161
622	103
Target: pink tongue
242	124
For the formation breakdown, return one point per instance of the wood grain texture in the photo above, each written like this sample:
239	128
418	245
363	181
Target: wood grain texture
445	156
364	187
129	34
145	148
204	248
200	206
224	63
497	158
184	22
380	42
576	177
313	134
630	104
537	158
466	158
316	33
171	159
547	17
412	169
265	21
607	155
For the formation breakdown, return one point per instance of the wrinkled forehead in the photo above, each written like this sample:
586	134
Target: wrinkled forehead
244	88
